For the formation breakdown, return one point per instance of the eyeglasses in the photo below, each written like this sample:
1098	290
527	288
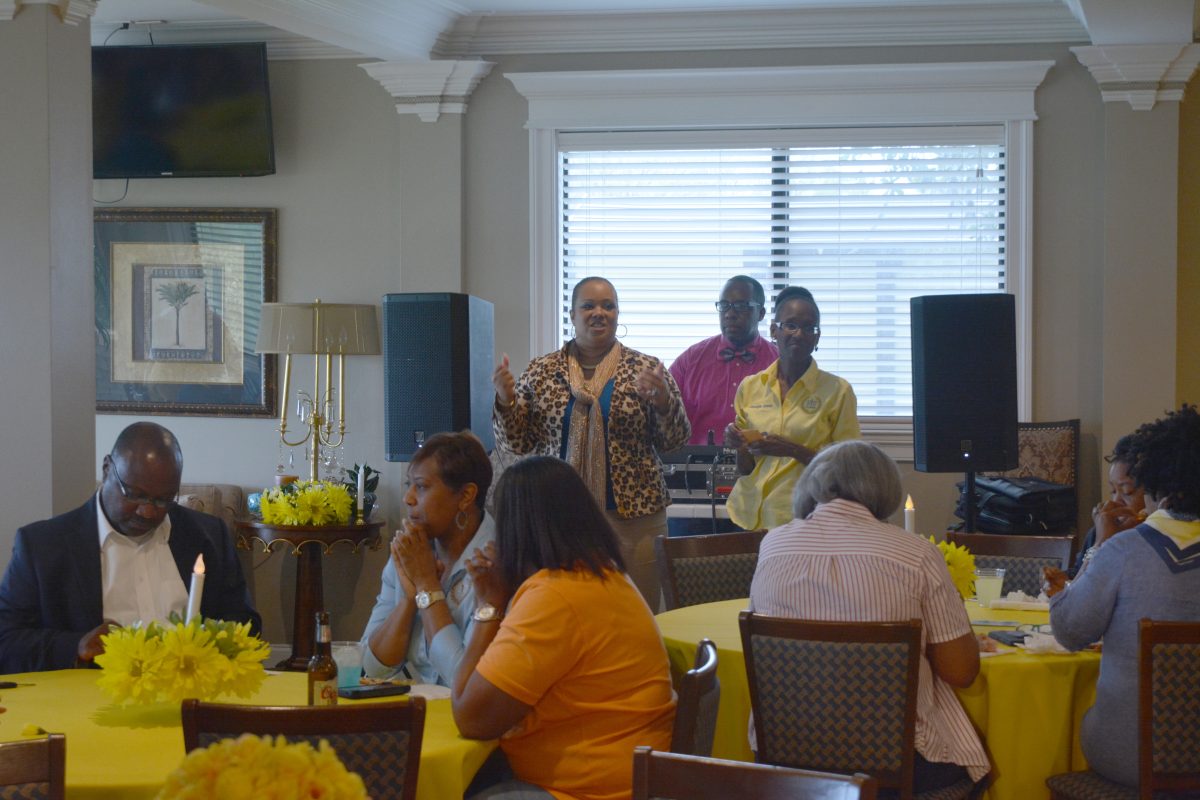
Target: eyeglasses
741	306
794	328
139	500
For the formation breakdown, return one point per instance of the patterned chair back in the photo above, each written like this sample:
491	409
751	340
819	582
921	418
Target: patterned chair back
1050	451
1021	557
671	776
835	696
699	697
381	742
34	769
1169	706
705	569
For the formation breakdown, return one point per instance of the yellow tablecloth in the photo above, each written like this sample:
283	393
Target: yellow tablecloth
125	753
1027	707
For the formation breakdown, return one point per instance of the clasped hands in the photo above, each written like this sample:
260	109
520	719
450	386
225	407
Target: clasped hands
1111	517
417	566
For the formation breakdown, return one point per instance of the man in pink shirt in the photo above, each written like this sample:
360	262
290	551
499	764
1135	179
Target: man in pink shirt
708	372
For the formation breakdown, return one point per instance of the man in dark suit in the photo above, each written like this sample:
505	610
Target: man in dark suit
127	554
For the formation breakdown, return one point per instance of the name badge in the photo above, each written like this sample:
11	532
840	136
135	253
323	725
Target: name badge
811	404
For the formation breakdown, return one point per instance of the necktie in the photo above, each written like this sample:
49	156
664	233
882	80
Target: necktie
729	354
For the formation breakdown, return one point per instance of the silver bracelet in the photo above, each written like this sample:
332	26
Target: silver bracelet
1088	555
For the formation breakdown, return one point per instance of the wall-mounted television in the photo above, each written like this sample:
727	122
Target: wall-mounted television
181	111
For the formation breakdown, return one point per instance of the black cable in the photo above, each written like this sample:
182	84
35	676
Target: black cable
119	199
124	27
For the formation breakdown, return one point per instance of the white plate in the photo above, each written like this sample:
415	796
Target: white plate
1020	605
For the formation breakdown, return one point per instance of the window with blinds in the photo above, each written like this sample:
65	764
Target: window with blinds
864	218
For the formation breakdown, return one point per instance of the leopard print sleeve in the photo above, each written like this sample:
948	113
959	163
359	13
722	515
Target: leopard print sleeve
672	431
533	425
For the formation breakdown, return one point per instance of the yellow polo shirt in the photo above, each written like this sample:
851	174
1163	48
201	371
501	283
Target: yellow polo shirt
820	408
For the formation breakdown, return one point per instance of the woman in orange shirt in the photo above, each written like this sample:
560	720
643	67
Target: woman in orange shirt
571	672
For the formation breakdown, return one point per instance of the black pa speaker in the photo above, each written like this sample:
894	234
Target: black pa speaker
438	357
964	357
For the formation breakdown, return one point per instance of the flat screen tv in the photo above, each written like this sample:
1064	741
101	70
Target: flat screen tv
181	111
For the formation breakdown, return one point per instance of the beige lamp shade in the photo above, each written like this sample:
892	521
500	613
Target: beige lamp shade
344	328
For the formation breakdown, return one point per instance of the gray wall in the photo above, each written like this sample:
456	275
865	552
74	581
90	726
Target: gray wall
372	202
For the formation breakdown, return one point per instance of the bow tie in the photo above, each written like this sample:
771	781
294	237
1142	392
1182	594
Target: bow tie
729	354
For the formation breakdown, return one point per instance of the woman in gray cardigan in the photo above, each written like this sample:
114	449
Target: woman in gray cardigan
1152	570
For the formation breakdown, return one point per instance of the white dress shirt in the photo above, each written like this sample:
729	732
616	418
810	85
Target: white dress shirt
138	576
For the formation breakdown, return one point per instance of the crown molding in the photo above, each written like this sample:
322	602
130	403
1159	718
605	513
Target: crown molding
281	45
72	12
384	29
1023	21
953	93
1140	74
429	89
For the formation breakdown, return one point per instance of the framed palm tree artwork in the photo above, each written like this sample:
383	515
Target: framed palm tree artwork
179	294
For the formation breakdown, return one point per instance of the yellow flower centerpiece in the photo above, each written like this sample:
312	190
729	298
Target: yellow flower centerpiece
259	768
961	565
307	503
166	663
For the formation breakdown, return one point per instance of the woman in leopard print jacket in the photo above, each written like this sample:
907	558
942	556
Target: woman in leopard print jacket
608	410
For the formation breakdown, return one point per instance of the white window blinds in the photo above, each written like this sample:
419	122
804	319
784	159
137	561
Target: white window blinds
864	218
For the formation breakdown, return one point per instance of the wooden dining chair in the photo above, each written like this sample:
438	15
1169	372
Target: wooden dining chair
1021	557
34	769
673	776
837	697
1168	721
703	569
379	741
696	710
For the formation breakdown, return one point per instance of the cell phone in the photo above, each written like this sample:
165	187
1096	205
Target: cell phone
373	690
1010	638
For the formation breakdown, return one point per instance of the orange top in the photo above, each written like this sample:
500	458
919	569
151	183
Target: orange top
586	654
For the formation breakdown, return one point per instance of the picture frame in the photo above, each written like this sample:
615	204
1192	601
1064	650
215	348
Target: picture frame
179	294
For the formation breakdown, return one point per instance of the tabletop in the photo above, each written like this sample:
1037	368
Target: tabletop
126	752
1026	707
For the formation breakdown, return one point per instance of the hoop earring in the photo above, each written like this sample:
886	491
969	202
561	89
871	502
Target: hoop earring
460	520
622	335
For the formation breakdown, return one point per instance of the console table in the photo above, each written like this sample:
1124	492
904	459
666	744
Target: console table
308	544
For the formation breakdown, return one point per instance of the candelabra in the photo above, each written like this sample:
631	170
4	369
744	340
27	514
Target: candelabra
323	330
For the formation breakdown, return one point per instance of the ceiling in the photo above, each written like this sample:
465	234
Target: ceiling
421	30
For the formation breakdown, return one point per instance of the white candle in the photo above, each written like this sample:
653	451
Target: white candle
196	589
910	515
362	488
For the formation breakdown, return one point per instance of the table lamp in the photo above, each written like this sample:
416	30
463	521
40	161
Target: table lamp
317	329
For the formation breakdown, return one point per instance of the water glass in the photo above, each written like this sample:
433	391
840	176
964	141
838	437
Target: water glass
988	585
348	656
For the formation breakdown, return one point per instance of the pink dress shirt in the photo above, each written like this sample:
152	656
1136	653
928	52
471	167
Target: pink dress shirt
708	381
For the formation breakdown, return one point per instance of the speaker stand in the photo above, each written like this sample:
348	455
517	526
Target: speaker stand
969	503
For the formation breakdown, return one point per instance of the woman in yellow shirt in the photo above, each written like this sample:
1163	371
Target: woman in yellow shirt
571	672
784	415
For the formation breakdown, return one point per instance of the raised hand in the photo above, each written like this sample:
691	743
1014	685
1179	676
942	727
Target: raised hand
651	384
1111	517
506	385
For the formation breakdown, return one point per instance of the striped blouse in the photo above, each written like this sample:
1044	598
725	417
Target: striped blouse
842	564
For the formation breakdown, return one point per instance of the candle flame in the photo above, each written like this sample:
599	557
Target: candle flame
908	504
199	567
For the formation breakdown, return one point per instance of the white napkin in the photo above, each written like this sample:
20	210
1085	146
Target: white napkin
1043	643
1020	601
430	691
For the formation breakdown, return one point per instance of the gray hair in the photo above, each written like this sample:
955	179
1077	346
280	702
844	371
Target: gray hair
855	470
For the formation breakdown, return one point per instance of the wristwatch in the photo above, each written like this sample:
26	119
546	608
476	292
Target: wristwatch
487	613
426	599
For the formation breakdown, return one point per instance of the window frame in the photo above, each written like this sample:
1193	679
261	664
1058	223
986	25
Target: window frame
869	95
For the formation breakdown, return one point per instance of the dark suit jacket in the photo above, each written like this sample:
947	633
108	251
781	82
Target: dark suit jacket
51	593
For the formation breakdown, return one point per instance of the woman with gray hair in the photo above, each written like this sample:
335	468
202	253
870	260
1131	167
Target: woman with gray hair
839	560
